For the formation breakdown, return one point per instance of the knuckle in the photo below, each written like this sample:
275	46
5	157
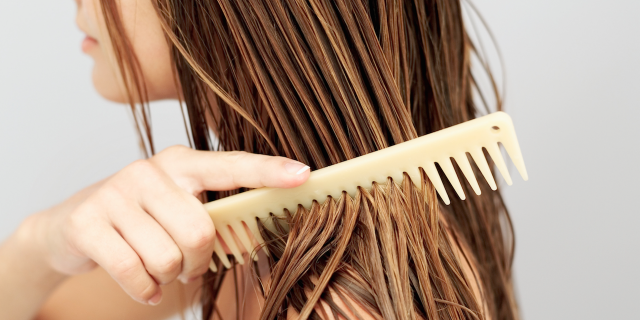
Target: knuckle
170	153
80	224
233	159
175	149
138	174
75	225
76	220
236	156
125	268
201	237
81	219
169	262
141	168
109	194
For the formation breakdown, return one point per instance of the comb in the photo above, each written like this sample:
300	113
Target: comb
230	215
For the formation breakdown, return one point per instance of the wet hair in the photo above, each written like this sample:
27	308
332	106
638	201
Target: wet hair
325	81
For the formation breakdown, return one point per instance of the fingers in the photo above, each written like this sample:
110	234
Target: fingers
231	170
105	246
146	227
192	172
160	255
181	216
168	229
196	171
190	227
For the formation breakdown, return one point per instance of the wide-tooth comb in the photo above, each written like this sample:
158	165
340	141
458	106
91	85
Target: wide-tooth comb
233	213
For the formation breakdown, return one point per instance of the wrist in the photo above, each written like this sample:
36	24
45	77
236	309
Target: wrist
33	242
27	280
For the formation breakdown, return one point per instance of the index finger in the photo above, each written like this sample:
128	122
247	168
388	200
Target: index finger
197	171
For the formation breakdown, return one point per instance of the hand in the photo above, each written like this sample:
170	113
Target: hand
145	225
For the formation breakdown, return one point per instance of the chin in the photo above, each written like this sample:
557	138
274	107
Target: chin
112	89
108	86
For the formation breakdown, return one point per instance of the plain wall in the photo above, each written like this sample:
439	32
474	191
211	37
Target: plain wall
573	77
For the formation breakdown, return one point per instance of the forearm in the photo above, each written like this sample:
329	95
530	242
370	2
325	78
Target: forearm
26	279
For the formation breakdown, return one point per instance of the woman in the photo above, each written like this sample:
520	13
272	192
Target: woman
316	81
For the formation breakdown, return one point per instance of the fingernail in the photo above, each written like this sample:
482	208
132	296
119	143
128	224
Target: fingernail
296	167
156	299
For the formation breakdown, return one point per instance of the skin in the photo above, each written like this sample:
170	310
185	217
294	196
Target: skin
136	232
143	29
115	249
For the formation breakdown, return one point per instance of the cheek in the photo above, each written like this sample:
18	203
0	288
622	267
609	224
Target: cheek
156	65
156	69
144	29
105	73
106	81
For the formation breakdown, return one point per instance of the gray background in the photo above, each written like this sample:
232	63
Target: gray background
572	81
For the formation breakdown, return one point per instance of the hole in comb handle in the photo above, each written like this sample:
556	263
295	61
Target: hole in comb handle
495	129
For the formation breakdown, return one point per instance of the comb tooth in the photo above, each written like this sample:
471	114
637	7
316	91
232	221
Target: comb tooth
481	162
432	173
225	234
414	174
253	227
241	232
496	155
463	163
513	149
212	266
217	247
450	172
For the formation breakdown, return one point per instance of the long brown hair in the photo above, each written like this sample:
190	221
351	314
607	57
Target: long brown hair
324	81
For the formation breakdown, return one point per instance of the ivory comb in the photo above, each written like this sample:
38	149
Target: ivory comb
234	212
